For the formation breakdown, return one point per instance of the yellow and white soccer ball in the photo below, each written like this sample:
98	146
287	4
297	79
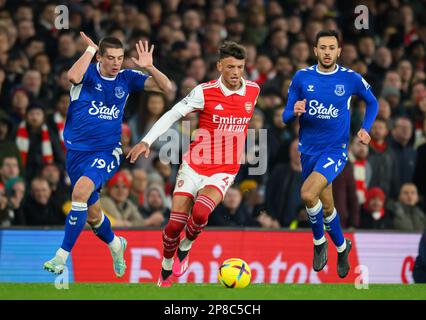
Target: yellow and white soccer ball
234	273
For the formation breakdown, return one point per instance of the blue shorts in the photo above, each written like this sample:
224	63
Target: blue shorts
98	166
329	164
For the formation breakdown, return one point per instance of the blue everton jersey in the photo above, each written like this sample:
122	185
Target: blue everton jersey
326	123
96	109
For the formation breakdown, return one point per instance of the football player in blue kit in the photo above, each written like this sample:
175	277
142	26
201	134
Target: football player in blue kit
92	137
319	97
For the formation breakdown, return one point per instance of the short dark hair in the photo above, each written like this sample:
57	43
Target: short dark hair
232	49
109	42
327	33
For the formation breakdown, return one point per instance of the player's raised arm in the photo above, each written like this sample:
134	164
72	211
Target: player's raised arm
371	110
194	100
295	106
76	72
157	81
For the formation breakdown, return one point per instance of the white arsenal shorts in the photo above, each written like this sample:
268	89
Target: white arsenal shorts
189	182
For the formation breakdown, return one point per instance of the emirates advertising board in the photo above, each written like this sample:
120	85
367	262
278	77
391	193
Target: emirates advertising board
273	256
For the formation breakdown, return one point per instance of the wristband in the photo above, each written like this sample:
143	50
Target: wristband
90	49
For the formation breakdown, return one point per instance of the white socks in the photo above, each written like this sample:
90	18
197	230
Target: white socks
115	244
342	247
167	264
63	254
185	244
320	241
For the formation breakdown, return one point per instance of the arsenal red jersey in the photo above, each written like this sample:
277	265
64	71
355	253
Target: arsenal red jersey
223	121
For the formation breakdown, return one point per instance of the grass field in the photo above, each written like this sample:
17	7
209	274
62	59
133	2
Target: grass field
148	291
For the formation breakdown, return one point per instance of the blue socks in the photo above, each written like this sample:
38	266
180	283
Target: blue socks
332	225
103	230
315	216
74	224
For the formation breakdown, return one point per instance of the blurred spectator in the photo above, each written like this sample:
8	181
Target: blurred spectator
384	166
20	100
56	121
366	47
420	120
152	109
175	64
252	196
402	132
126	144
6	214
9	168
373	212
36	144
7	147
165	170
384	109
116	203
139	184
15	191
407	215
265	150
358	154
61	192
256	29
283	188
345	197
40	208
231	212
154	210
264	220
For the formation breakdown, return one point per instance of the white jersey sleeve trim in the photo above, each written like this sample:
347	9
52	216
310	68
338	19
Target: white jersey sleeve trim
162	125
75	91
193	101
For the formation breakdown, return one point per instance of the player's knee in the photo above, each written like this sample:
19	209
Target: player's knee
308	197
200	213
80	195
327	210
173	228
94	217
82	190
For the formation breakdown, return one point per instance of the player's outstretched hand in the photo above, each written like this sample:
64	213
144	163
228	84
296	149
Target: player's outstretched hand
137	150
363	136
89	41
144	59
299	107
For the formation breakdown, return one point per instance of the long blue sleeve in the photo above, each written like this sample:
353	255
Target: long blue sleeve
293	96
372	106
371	110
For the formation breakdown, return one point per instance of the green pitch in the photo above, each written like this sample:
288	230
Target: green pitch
148	291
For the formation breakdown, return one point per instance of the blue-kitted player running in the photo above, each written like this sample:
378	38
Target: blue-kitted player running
319	96
93	133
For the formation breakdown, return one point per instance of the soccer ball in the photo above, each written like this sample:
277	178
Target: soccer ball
234	273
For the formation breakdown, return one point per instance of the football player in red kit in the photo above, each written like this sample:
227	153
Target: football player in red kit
210	165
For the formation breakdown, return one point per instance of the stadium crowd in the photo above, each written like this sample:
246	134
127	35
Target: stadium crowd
383	186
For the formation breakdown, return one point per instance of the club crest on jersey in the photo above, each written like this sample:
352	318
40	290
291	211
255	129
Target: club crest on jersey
119	92
248	106
340	90
180	183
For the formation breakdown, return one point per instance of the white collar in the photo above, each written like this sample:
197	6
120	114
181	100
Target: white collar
327	73
103	77
241	91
